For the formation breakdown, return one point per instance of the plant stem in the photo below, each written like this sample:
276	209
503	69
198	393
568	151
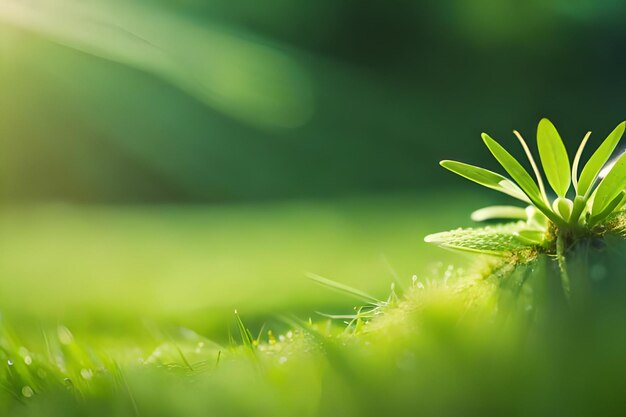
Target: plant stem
560	258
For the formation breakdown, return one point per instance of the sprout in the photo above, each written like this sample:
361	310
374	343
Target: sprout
581	202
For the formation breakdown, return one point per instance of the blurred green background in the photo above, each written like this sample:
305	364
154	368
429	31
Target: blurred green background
218	101
167	158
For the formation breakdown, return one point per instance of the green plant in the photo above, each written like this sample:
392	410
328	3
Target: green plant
581	205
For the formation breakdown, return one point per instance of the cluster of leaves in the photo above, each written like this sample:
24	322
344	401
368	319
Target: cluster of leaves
582	202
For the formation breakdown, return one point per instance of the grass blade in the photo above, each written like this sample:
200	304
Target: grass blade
553	157
598	159
345	289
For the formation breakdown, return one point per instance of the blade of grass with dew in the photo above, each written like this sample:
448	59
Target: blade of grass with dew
246	335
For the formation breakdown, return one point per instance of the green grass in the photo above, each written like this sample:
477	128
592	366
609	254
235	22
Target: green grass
96	267
487	338
130	284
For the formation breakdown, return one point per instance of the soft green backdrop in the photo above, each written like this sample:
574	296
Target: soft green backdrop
172	161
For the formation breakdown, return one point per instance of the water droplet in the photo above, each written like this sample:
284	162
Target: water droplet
86	373
282	360
420	285
27	391
10	362
28	360
65	336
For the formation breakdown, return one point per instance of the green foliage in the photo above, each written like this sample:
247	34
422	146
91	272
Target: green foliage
553	157
598	193
493	240
598	159
486	178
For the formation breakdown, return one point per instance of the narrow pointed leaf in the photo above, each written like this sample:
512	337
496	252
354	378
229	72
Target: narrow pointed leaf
521	177
613	184
598	159
485	178
514	168
579	154
553	157
499	212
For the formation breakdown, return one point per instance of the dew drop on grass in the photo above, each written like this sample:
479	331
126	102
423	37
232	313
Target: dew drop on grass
27	391
65	336
10	362
282	360
28	360
86	373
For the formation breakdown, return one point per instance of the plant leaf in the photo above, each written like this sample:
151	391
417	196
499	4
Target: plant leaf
598	159
491	240
521	177
531	236
499	212
612	206
510	188
553	157
485	178
613	184
579	154
564	207
515	170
